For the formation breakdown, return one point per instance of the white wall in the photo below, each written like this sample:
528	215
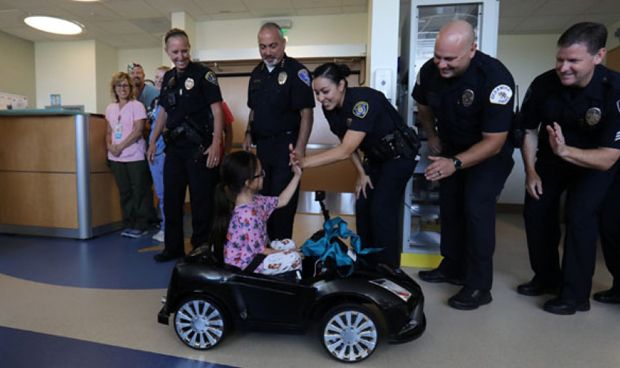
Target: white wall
106	59
328	30
150	59
526	56
17	72
67	68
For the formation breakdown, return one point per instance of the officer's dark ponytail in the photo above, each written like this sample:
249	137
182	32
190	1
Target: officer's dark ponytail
236	169
334	72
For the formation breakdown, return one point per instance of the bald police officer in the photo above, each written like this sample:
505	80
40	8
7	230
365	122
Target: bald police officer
470	97
281	101
574	151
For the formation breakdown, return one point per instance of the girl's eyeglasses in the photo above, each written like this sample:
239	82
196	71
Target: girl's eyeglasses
260	175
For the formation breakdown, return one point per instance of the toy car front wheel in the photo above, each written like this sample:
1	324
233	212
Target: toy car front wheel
200	323
350	333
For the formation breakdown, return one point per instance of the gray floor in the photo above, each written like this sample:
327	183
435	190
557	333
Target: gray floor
512	331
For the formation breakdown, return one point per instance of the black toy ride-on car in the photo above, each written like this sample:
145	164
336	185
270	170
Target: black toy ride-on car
354	312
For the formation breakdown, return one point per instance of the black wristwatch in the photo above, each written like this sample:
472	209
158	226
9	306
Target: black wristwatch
457	163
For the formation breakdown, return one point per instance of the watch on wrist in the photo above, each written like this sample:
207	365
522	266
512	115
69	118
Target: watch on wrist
457	163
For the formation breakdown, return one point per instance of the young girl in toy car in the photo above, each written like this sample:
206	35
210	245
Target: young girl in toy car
240	225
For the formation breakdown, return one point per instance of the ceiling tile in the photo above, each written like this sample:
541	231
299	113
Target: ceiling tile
563	7
118	27
85	11
212	7
134	9
303	4
227	16
319	11
12	18
605	7
282	5
510	24
27	33
544	24
168	6
513	8
270	13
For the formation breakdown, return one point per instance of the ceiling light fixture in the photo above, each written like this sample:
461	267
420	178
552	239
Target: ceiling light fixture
54	25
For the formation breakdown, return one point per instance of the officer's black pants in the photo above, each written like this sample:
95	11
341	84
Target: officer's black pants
585	191
467	212
378	217
181	170
610	230
274	156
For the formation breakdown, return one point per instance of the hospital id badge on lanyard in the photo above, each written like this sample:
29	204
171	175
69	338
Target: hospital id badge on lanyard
118	129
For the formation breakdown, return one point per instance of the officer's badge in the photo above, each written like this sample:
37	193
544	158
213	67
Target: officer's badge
501	94
467	98
189	84
349	121
304	76
360	109
593	116
211	78
282	77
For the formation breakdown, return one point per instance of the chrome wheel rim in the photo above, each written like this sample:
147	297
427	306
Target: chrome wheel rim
199	324
350	336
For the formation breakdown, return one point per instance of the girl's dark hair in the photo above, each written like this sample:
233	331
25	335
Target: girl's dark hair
334	72
237	168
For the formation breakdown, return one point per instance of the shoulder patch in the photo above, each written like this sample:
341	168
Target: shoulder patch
360	109
618	105
304	76
500	95
211	78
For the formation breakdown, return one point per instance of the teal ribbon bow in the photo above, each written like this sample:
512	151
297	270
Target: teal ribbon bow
328	247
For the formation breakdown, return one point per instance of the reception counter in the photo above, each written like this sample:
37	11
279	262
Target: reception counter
54	179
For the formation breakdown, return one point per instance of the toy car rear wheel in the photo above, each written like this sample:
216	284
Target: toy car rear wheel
200	323
350	332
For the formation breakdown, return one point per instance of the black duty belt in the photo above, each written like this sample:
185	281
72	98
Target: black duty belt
264	137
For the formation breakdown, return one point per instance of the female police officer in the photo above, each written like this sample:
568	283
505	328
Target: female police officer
363	118
190	99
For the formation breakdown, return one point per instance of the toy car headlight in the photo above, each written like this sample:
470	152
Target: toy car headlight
393	287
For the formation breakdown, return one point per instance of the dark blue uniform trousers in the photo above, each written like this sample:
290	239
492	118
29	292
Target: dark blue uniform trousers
610	230
181	170
273	154
378	216
585	191
467	213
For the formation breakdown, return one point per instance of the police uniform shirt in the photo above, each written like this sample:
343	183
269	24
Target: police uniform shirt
480	100
589	117
189	94
276	97
364	110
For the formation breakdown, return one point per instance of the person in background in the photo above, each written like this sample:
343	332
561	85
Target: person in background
126	155
144	93
240	226
228	128
572	142
468	96
191	119
281	113
157	164
364	119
